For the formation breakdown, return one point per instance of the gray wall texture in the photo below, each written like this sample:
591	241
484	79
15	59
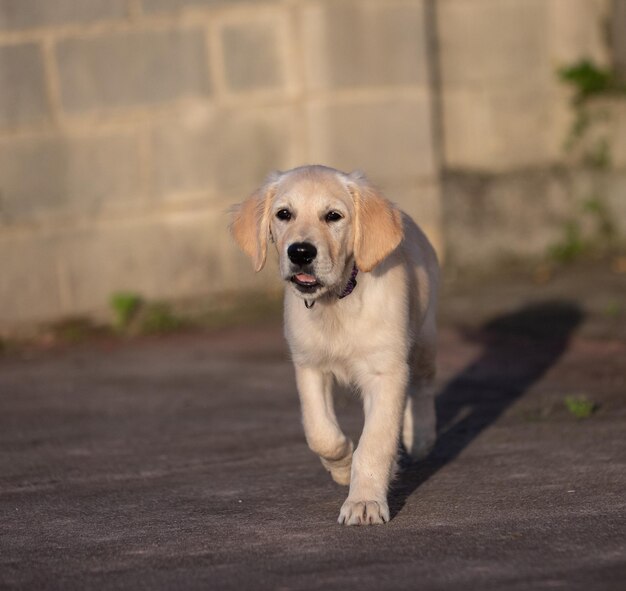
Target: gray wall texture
127	128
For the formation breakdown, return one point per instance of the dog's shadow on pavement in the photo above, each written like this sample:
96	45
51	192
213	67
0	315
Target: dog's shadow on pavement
519	348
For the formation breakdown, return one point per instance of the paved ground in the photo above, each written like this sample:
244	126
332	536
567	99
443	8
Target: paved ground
180	463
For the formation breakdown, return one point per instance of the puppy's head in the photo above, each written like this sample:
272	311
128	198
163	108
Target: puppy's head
322	222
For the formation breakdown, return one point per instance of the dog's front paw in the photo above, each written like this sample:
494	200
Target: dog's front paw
364	512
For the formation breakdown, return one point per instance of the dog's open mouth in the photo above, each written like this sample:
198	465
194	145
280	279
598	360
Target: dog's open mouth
305	282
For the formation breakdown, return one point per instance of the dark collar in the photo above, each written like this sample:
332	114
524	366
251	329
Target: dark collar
349	288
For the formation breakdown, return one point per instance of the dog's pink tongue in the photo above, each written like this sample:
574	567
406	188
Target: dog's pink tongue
304	278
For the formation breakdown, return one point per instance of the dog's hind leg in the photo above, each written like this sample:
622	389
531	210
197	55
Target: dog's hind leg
419	428
321	428
420	423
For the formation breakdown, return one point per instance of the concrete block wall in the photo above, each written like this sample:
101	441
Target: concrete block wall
128	127
503	105
369	96
505	120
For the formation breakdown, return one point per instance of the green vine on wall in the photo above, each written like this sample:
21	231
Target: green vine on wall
590	227
590	82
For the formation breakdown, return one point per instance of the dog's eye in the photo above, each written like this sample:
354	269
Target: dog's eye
283	214
333	216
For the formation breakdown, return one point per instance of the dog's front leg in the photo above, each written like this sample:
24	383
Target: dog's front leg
321	429
374	460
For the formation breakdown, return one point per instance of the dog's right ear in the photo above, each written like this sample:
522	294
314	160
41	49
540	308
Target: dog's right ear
250	222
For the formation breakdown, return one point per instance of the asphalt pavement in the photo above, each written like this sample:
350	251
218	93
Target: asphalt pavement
179	462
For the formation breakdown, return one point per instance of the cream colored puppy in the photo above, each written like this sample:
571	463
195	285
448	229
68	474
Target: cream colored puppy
360	309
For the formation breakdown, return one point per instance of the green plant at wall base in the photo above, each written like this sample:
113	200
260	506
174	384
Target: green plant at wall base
580	406
572	245
125	306
601	236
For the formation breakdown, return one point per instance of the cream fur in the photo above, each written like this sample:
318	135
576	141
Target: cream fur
381	338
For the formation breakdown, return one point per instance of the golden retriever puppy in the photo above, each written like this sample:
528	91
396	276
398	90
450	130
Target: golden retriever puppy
360	306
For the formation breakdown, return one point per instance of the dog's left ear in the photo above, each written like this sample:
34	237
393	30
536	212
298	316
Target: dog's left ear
250	225
378	223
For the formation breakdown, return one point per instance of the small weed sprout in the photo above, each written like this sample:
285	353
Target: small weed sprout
580	406
613	309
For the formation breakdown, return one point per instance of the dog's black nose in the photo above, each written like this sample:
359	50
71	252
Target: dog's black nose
301	253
